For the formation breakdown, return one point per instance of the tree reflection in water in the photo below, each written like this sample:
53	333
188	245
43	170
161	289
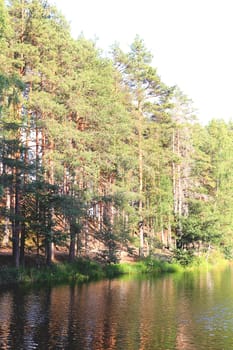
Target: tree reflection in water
185	311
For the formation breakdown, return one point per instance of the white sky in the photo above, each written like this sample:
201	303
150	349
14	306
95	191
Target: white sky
191	41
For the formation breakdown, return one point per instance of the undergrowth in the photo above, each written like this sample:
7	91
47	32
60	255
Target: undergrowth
83	270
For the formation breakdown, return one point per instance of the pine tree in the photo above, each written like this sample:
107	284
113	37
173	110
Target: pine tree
149	100
183	117
213	164
39	34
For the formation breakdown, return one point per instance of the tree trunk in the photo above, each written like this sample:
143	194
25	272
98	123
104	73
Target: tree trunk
22	245
49	252
16	222
6	237
49	241
72	247
37	209
140	165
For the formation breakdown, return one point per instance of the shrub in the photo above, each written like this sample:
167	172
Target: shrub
228	252
183	257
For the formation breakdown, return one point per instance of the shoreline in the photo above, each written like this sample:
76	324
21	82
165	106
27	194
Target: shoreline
81	271
85	270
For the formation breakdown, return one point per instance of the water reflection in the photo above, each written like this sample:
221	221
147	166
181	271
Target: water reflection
185	311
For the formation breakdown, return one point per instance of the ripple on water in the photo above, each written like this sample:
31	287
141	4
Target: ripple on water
168	313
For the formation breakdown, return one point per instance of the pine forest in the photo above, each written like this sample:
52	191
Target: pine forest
99	158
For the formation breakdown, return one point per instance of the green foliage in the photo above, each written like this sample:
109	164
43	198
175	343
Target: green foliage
81	271
9	276
77	272
88	268
228	252
159	266
80	132
114	270
146	266
201	225
183	257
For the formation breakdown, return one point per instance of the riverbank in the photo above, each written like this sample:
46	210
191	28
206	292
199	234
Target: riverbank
85	270
82	270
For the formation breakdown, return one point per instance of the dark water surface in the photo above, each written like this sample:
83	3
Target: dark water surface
179	311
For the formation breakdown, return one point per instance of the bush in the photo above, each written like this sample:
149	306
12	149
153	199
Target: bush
228	252
183	257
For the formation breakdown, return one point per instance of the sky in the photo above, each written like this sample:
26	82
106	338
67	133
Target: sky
191	42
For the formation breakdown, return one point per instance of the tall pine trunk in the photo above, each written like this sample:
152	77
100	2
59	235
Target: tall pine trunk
16	221
72	247
140	168
49	243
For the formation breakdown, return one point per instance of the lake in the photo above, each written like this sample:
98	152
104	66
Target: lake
190	311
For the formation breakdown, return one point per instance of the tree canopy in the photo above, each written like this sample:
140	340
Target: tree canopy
97	154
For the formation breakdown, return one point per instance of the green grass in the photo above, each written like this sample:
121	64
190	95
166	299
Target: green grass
79	271
82	271
86	270
145	266
205	261
208	261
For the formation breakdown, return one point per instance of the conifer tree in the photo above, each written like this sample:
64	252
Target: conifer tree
149	98
182	115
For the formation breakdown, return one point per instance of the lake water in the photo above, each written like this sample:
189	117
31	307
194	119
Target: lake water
190	311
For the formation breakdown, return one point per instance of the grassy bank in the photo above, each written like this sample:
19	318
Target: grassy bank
82	271
206	260
146	266
86	270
